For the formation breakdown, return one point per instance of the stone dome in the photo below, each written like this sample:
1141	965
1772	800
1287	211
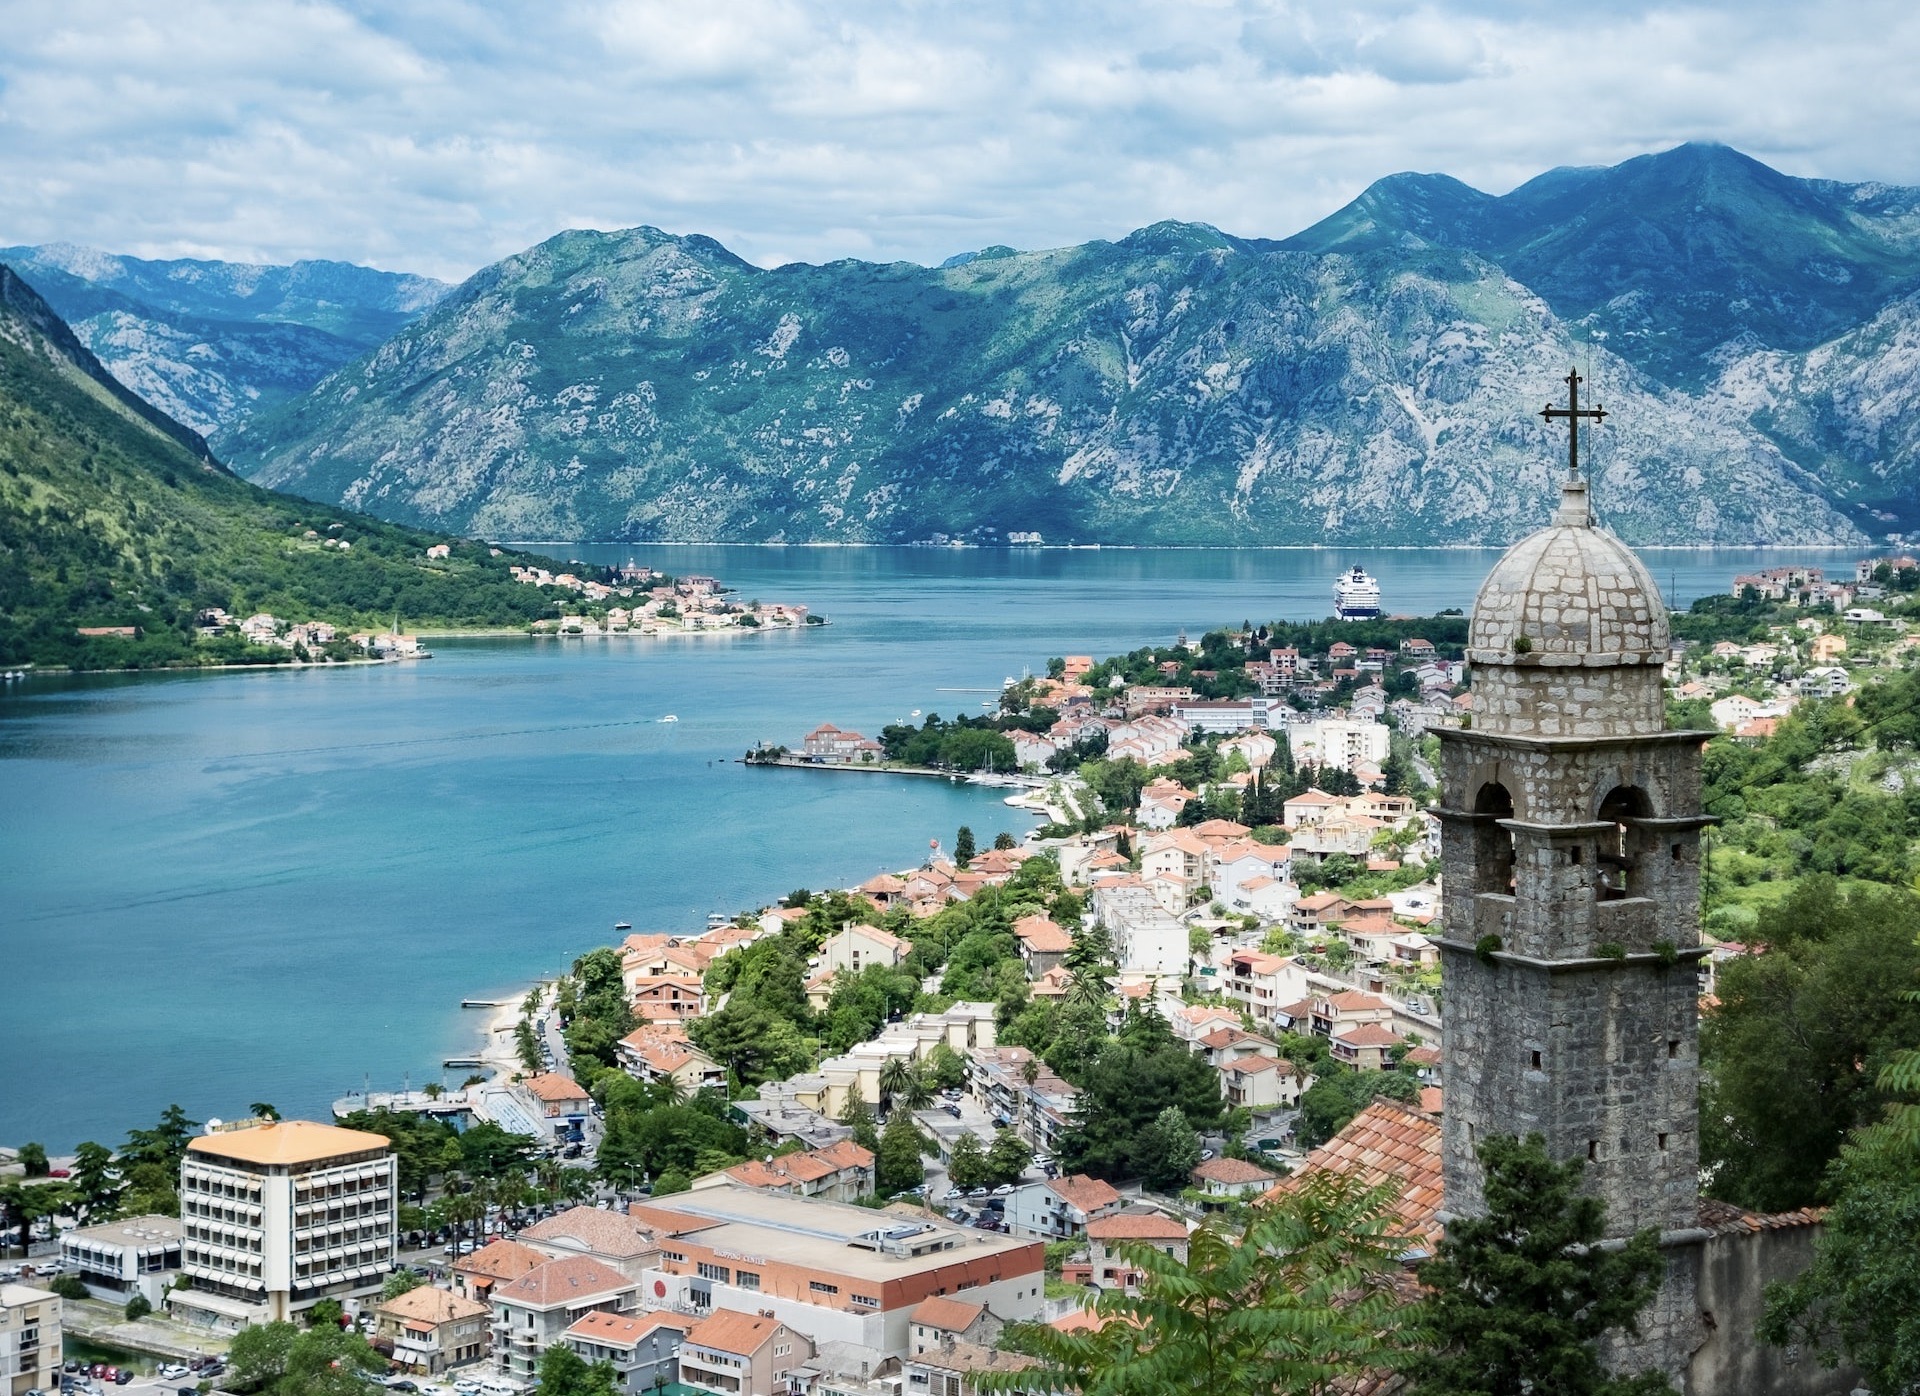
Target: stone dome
1570	594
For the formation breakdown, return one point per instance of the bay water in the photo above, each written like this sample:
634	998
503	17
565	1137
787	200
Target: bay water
230	887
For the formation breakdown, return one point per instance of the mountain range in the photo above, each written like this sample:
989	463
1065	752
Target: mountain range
210	343
1373	379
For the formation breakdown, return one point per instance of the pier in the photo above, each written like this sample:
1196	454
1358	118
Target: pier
485	1003
447	1103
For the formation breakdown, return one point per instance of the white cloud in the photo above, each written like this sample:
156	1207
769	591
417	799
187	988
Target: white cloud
437	135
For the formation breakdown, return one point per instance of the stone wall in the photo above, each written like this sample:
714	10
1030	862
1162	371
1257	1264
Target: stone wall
1560	696
1735	1267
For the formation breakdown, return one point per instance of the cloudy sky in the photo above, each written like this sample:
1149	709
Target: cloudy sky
438	135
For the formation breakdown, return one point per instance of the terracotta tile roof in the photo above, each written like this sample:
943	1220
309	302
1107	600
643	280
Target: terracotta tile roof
603	1233
1368	1035
500	1260
287	1142
1353	1001
429	1305
1727	1219
1042	936
1424	1056
844	1153
1386	1142
551	1085
1088	1194
948	1315
967	1358
727	1331
1257	1065
564	1281
1430	1100
1232	1170
1137	1226
624	1330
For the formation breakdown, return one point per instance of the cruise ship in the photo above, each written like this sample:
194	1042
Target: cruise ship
1356	596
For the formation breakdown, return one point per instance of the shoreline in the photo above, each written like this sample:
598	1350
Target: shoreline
1835	547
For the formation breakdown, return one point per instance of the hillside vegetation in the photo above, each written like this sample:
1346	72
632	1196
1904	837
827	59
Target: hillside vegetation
113	515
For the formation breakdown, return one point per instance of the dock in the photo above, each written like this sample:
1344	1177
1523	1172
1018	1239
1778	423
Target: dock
468	1063
485	1003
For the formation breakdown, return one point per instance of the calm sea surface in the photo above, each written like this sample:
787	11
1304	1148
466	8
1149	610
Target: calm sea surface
224	888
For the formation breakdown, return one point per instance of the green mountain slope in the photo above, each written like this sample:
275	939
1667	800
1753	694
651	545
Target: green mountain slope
1178	386
114	515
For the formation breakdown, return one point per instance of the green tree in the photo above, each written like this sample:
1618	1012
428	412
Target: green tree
1518	1299
1004	841
967	1166
945	1068
1795	1049
69	1287
1298	1302
672	1181
137	1308
963	849
33	1159
258	1356
563	1372
897	1162
1008	1158
857	1116
896	1074
1339	1093
1857	1298
400	1281
1167	1152
326	1313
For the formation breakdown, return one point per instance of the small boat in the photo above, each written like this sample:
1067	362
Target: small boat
914	713
623	925
668	718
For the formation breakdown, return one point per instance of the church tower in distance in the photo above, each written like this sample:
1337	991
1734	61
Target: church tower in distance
1570	844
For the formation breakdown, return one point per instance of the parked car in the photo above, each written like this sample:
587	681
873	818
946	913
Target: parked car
952	1110
172	1371
123	1376
977	1192
1004	1190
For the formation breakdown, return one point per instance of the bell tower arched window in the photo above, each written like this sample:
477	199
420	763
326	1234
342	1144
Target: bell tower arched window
1493	845
1618	873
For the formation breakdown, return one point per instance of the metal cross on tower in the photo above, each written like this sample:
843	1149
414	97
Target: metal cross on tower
1573	412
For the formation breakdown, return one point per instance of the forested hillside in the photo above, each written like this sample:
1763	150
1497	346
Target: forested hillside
112	515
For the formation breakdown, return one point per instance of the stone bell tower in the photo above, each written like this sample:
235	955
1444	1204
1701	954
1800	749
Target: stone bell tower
1571	849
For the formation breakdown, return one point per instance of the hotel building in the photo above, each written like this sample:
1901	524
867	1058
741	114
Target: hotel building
279	1215
838	1273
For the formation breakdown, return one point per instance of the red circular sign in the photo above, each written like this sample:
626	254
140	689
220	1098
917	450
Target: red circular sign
659	1289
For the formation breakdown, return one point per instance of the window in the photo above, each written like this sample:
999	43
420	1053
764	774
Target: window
713	1272
1593	1150
1574	854
1663	1143
818	1288
1673	1047
873	1303
1536	1060
746	1279
675	1256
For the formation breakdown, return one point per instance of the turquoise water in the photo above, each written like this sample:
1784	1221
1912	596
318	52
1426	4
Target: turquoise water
224	888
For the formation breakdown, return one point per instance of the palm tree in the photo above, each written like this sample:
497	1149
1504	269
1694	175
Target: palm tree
917	1093
669	1089
896	1074
262	1110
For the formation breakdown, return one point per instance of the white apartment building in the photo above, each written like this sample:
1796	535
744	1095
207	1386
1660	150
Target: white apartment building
119	1259
1338	743
279	1215
29	1340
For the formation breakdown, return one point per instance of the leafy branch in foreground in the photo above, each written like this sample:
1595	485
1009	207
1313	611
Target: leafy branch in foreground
1298	1303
